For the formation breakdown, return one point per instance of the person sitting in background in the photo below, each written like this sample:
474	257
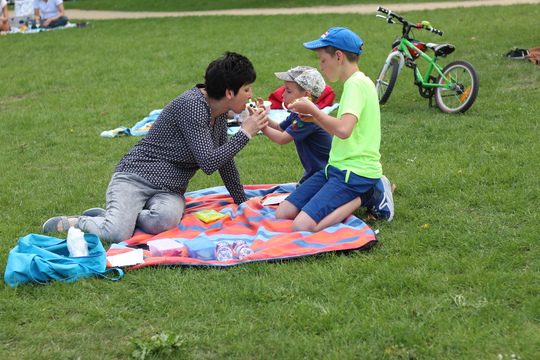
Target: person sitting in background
4	16
312	142
52	13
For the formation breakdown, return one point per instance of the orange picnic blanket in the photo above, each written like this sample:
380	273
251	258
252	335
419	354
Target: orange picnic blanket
253	222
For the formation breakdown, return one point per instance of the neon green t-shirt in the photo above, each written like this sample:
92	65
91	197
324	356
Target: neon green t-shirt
359	153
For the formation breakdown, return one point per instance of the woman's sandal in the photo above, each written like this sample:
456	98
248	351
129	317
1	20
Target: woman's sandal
93	212
57	224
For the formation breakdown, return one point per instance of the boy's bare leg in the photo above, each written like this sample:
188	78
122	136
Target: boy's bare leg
303	222
286	210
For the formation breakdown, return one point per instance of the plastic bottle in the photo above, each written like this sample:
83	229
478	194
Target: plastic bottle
76	244
242	249
223	251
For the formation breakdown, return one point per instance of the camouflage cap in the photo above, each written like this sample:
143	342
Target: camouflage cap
307	77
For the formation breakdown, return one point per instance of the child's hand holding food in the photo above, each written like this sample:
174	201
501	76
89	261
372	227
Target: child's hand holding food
303	107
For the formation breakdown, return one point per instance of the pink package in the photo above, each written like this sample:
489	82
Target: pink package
165	247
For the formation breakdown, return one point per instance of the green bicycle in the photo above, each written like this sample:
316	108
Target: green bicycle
454	87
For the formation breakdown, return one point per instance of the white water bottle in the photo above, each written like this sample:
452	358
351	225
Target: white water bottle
242	249
223	251
76	244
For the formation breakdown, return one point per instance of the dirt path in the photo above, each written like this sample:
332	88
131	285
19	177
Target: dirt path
353	9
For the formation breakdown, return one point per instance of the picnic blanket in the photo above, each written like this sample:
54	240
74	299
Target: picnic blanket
25	30
268	237
141	128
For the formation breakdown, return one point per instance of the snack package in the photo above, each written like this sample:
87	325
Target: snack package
209	216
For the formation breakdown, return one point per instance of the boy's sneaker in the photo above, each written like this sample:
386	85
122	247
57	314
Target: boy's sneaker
384	205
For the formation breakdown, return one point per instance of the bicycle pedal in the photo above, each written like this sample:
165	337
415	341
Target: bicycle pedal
410	63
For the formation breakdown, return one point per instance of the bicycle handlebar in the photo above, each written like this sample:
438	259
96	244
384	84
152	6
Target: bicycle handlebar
383	10
435	31
390	14
406	23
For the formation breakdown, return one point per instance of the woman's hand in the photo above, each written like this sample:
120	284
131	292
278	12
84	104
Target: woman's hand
255	121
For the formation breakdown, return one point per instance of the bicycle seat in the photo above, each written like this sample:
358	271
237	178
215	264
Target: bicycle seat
441	49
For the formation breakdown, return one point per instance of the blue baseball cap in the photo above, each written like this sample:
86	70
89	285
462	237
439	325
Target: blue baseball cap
340	38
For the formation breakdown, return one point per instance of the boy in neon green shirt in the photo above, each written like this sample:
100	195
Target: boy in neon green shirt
353	176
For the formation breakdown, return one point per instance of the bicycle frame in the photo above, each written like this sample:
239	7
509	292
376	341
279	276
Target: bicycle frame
402	52
453	87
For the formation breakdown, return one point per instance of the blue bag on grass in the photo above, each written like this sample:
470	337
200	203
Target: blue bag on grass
40	258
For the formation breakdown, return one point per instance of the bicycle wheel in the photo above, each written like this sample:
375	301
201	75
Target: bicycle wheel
386	81
462	95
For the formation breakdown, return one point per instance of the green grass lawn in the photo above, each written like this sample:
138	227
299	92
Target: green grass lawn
195	5
454	276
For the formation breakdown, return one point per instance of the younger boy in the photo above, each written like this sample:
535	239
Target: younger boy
353	177
312	142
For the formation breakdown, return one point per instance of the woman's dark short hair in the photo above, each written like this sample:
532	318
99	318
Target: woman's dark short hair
229	72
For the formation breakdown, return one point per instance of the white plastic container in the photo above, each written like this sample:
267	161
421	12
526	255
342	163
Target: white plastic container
76	244
166	247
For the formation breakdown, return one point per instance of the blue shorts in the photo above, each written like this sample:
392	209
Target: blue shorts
327	190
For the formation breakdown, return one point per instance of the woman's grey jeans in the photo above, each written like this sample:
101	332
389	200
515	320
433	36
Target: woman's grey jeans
133	202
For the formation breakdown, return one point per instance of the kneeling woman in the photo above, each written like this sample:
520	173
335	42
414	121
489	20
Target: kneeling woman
147	188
